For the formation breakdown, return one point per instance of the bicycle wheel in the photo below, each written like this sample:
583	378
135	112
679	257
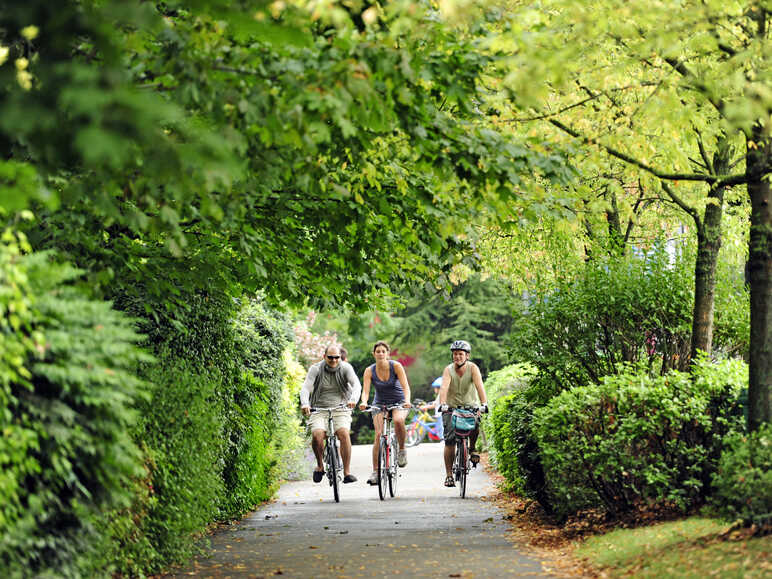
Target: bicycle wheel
415	434
332	470
393	466
463	458
383	467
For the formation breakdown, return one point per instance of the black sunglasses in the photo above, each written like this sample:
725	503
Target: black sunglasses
333	357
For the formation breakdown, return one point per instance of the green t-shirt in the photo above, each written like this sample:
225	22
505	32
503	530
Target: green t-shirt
461	391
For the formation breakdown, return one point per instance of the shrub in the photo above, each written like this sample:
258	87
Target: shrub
635	439
181	427
731	334
249	465
619	311
66	415
742	485
207	430
508	379
515	450
253	399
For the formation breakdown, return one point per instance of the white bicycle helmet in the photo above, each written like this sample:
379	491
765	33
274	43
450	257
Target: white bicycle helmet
461	345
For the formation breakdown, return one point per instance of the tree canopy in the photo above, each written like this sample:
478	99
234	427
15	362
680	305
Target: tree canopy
206	143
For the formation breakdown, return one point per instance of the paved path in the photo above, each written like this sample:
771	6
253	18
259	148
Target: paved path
427	530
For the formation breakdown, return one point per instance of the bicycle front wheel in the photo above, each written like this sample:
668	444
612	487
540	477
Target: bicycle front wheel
393	467
383	467
463	457
415	434
332	469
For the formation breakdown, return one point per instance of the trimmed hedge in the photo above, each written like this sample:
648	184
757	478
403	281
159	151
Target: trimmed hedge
208	429
514	392
634	439
115	462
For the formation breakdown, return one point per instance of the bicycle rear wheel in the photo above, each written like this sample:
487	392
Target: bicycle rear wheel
332	470
383	467
393	466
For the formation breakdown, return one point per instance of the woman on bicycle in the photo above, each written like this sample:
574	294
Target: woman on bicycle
462	385
391	387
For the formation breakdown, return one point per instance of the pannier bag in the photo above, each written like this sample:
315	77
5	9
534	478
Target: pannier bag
463	421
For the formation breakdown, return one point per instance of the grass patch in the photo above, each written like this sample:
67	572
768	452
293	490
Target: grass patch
687	548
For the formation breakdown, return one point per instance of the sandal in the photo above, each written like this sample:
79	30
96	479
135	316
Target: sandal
449	482
474	457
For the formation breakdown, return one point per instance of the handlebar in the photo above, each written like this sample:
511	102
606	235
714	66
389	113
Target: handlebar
482	409
338	407
371	408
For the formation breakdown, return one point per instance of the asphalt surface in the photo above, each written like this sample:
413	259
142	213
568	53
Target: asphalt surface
427	530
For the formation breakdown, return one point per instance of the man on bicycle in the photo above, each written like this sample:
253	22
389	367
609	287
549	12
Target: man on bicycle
462	385
329	383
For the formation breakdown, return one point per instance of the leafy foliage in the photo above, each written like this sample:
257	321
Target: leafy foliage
508	379
633	440
181	427
206	145
211	430
742	484
67	411
669	97
618	311
515	448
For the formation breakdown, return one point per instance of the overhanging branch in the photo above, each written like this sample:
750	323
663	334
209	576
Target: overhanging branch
726	181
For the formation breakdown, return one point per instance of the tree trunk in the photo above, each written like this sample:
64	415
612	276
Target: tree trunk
758	171
708	246
704	292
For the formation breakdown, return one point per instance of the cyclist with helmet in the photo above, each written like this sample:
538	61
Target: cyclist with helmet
462	385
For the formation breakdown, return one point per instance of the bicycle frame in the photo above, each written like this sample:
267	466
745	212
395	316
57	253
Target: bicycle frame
332	458
387	452
462	462
423	424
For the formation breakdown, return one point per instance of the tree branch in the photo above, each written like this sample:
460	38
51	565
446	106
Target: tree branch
703	153
578	104
731	180
686	208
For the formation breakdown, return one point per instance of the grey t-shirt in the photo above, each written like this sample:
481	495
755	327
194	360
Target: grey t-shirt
352	390
329	393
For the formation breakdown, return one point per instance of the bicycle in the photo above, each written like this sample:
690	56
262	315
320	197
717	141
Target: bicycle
387	452
464	420
332	459
422	425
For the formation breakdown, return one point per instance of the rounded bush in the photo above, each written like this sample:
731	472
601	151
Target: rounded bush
635	440
742	485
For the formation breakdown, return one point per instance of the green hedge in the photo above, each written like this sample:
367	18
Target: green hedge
208	428
66	414
515	452
636	440
115	462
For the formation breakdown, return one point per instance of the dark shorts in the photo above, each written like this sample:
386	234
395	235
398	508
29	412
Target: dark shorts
449	431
